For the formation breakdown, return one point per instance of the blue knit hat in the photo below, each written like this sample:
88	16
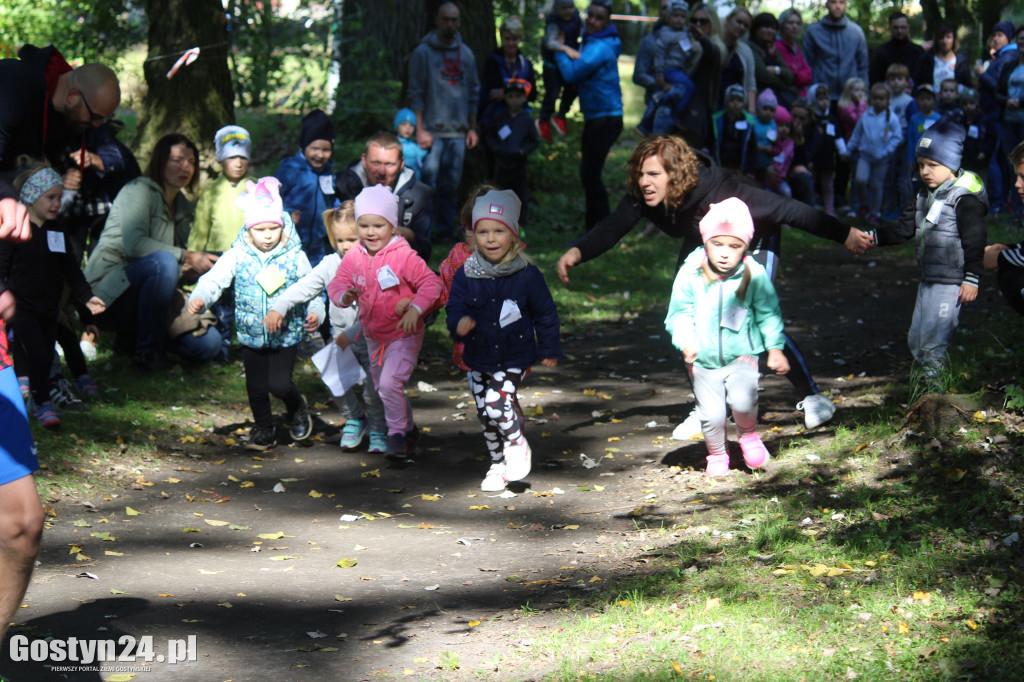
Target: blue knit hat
943	143
405	116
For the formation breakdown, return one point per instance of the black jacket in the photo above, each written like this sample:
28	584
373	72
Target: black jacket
770	211
28	122
36	274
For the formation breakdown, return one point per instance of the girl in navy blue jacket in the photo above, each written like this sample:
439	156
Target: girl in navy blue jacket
501	308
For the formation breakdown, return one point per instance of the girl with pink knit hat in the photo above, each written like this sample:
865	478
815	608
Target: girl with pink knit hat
264	260
395	289
722	315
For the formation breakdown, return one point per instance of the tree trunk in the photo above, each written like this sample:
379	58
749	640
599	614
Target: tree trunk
198	99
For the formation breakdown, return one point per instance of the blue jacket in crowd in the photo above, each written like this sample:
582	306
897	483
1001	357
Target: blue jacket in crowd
310	191
596	73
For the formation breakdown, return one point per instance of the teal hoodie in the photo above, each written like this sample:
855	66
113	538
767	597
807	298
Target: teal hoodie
696	311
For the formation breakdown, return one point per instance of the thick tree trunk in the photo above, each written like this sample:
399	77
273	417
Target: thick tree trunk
198	99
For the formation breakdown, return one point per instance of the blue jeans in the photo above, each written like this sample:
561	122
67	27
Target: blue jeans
442	170
142	310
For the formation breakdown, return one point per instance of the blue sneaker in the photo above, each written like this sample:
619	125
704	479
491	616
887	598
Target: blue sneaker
353	433
378	442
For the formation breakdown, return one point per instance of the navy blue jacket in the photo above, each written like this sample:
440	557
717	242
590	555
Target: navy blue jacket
491	347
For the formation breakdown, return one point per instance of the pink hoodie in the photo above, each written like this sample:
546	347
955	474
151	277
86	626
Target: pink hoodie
376	304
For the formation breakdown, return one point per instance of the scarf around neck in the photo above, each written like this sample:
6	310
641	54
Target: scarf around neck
478	267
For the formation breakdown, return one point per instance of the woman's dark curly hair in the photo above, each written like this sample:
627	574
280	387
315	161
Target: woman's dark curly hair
676	158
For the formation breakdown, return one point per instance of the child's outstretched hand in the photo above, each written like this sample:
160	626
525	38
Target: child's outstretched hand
342	340
402	306
407	325
777	361
351	294
312	322
95	305
196	305
465	325
968	293
690	354
549	362
272	322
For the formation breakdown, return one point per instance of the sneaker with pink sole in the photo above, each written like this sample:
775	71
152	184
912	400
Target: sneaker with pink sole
718	465
755	454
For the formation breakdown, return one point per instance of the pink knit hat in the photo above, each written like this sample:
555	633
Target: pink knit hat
261	202
730	218
377	200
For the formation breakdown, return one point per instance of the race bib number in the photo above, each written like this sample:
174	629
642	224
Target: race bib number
55	242
830	129
509	313
973	132
504	132
387	278
733	317
741	125
772	135
270	279
934	211
327	184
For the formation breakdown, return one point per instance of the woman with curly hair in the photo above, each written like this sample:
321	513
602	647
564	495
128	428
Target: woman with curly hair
673	186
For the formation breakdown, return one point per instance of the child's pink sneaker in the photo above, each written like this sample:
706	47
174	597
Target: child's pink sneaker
718	465
755	454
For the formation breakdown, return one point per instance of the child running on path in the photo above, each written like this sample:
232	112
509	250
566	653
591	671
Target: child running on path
395	288
266	257
362	416
501	308
723	313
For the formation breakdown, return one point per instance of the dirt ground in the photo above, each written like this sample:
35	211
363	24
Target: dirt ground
439	566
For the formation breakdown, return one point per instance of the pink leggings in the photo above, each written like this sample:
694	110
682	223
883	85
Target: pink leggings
391	364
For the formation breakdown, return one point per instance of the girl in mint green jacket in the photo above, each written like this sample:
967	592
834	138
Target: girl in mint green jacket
723	314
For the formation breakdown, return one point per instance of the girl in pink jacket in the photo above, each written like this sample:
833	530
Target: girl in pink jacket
395	289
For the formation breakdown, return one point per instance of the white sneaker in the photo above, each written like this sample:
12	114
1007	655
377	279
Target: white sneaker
818	409
518	460
495	479
689	429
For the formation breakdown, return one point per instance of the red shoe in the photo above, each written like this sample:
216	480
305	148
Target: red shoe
560	125
544	129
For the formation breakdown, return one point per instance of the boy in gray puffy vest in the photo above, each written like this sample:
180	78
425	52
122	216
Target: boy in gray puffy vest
947	217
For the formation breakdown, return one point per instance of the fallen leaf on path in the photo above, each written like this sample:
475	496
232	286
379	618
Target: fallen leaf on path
346	563
430	498
110	553
82	523
212	522
316	634
114	590
191	530
278	488
271	536
478	507
225	605
131	512
283	557
373	473
315	494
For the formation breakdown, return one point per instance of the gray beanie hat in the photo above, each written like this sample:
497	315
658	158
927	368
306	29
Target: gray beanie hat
943	143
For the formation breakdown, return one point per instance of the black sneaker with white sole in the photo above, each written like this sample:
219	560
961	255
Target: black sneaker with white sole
261	438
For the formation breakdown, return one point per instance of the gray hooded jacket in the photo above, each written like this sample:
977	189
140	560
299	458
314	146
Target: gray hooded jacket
836	51
444	85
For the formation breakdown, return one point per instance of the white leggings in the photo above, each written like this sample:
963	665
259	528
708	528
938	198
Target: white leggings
733	386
